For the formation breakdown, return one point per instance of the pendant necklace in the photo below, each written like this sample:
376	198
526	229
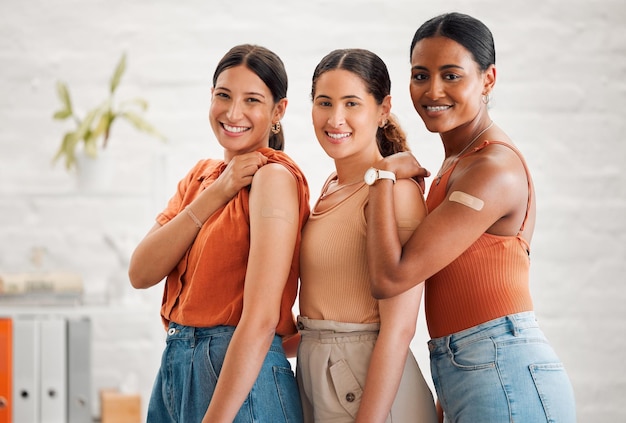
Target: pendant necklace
326	193
459	154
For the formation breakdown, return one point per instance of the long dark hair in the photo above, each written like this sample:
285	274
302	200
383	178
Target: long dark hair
266	65
465	30
374	74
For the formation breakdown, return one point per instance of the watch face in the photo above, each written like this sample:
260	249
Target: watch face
370	176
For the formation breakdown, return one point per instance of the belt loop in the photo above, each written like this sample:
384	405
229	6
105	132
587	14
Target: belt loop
448	340
513	324
193	337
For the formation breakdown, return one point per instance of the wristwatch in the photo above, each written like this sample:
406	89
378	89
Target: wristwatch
372	175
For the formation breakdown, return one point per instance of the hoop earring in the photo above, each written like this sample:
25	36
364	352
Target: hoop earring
486	98
276	128
382	125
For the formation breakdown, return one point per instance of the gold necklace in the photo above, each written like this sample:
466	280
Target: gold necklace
444	169
325	193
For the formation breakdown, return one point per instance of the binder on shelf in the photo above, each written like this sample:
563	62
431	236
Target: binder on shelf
53	359
79	370
25	370
6	370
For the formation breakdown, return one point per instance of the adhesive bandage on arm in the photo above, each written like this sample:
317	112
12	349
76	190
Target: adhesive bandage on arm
272	213
467	200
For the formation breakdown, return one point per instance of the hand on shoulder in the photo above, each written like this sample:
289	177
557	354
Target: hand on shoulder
239	172
405	166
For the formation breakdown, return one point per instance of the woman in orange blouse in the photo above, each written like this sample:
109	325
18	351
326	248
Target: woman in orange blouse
228	245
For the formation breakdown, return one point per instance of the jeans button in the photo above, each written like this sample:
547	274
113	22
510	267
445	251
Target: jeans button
171	331
350	397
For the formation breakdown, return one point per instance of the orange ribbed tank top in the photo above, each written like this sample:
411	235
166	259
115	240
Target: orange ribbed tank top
488	280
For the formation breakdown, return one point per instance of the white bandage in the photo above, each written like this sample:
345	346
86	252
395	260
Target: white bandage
275	214
467	200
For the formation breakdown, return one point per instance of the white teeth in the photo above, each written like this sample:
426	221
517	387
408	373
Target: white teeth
338	136
235	128
437	108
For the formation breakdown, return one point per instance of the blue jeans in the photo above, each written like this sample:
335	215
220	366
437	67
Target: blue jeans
503	370
190	366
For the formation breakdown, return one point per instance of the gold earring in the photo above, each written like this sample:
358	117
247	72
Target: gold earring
276	128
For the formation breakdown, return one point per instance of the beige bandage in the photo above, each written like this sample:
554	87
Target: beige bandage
407	225
276	214
467	200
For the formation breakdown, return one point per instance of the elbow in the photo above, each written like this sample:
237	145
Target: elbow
381	287
138	278
268	325
407	332
135	280
261	326
142	273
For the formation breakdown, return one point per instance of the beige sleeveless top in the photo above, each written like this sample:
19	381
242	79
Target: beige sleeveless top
333	263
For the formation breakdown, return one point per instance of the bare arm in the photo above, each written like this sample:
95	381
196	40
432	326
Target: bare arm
398	317
163	247
273	231
495	178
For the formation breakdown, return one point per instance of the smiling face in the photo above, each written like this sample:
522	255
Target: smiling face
242	111
345	115
447	85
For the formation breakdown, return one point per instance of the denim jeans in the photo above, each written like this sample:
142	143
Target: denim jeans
190	366
503	370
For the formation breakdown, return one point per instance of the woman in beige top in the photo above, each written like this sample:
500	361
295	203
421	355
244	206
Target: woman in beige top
354	361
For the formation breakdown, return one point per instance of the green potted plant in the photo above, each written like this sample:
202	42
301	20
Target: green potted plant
93	130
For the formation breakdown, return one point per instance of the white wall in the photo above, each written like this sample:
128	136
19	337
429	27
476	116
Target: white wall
560	94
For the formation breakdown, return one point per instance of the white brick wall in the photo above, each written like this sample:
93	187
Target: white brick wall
560	94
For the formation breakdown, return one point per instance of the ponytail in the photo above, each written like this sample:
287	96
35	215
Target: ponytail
391	138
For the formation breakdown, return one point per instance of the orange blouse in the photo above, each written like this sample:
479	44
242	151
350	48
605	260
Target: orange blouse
206	287
488	280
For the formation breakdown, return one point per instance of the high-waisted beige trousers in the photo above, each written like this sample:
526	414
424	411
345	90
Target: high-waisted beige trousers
331	368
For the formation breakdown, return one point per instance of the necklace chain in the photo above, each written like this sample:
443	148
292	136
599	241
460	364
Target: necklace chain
326	193
444	169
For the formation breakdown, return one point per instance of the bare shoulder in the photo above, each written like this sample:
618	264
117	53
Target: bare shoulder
273	173
409	199
495	164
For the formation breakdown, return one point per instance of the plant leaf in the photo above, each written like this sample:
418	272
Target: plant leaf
64	96
85	126
142	124
62	114
117	75
103	125
91	146
68	144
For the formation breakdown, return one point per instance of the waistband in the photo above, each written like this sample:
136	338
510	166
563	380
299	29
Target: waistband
333	329
512	323
177	331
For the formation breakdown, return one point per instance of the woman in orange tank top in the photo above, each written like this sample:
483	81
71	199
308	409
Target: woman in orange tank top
490	362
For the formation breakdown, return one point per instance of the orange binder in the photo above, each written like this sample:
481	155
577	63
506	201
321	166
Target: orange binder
6	369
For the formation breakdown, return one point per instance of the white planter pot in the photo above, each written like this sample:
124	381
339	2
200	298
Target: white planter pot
94	173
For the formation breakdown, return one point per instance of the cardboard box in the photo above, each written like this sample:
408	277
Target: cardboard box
116	407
